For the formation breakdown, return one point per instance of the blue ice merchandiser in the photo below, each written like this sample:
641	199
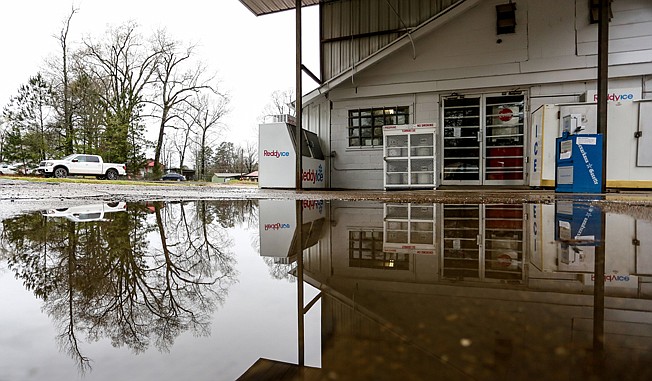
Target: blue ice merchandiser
579	163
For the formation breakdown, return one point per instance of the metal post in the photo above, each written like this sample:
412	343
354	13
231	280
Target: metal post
603	79
599	271
598	298
300	297
298	111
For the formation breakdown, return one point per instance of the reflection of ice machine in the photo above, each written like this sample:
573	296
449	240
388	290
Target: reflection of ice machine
409	155
277	156
279	233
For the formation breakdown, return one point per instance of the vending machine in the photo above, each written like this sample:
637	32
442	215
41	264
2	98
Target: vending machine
629	121
579	163
277	156
409	156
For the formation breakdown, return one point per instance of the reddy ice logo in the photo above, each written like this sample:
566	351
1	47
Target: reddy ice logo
313	176
276	153
616	97
277	226
313	205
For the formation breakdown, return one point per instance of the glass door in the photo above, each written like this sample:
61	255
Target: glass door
462	138
484	140
422	150
396	160
504	141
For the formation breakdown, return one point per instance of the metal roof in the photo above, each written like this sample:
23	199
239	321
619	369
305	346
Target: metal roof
264	7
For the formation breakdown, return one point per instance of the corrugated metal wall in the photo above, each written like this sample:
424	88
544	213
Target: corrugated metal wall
352	30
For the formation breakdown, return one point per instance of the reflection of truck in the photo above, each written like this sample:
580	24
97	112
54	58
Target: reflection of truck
86	213
83	165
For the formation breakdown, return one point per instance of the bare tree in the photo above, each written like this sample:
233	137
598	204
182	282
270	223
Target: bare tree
250	156
281	103
208	114
124	66
177	81
183	131
61	85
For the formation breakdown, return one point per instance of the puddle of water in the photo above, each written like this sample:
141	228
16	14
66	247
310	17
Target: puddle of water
351	290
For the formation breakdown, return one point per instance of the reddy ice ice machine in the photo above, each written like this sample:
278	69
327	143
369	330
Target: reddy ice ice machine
277	157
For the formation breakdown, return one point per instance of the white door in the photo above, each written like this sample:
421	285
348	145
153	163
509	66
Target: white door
93	165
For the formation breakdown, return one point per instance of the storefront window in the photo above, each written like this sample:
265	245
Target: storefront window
365	125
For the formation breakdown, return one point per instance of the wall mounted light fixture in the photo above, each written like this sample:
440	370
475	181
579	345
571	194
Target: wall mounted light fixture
594	10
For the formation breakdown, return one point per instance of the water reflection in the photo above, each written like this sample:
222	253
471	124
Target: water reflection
396	290
414	291
108	271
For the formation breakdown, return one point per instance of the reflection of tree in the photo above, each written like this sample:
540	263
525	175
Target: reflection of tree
133	278
279	270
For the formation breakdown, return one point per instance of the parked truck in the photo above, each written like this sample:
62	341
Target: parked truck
82	165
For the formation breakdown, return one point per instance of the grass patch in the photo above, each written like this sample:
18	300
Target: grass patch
93	180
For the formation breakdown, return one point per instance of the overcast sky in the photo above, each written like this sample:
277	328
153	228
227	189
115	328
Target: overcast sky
253	56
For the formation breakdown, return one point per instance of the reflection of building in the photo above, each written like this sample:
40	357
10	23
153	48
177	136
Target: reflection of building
482	242
526	245
579	229
491	292
280	232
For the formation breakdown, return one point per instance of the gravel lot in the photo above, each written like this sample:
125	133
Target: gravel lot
21	196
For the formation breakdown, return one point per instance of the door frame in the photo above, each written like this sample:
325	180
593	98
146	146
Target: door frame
482	132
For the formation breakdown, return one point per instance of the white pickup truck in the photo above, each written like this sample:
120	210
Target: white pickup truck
82	165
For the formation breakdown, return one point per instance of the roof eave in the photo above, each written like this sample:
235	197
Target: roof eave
427	27
266	7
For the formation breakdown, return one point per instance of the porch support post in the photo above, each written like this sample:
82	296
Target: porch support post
603	79
298	137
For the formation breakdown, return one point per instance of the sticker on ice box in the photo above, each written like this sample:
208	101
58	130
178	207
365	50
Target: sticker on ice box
565	150
586	141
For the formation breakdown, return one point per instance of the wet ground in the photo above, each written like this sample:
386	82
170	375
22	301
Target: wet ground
167	282
17	195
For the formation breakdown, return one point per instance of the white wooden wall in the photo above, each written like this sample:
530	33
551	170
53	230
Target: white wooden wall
552	57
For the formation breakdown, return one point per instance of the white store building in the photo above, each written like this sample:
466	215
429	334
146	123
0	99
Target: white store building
496	87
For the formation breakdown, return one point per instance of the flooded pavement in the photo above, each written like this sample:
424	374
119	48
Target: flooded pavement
249	289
